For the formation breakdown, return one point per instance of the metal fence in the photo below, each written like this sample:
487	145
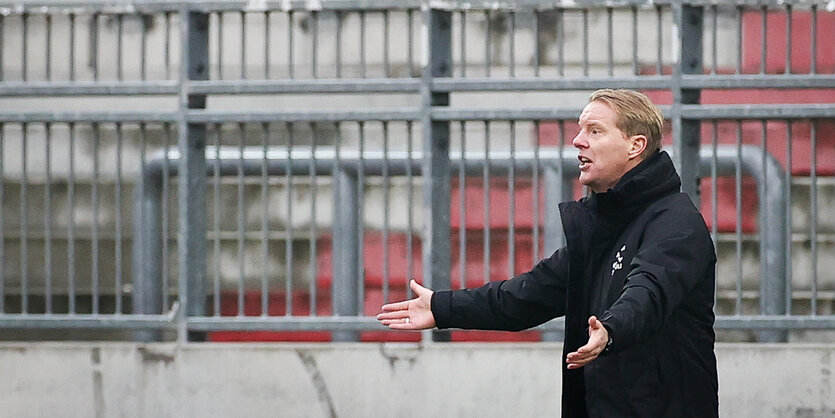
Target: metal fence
219	167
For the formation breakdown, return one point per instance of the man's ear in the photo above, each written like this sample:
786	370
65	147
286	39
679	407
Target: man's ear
637	145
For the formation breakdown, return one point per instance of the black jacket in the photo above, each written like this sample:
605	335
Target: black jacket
640	258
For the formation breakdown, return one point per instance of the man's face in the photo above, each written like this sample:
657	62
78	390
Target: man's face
604	149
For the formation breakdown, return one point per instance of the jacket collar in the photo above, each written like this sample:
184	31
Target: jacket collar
650	180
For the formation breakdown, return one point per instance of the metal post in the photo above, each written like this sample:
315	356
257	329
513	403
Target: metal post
147	250
345	250
436	168
558	188
686	132
191	239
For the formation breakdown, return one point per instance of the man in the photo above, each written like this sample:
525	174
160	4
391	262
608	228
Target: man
635	280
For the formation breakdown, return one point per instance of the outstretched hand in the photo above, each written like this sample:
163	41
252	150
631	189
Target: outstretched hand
598	338
414	314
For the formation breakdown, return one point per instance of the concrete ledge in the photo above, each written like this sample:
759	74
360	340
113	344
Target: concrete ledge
364	380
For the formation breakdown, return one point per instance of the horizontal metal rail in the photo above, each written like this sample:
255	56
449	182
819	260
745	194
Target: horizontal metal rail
129	6
88	88
758	81
411	85
649	82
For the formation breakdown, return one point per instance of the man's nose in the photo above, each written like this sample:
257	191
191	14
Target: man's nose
579	141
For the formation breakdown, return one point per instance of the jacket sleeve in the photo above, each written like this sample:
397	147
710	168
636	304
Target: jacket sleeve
524	301
675	255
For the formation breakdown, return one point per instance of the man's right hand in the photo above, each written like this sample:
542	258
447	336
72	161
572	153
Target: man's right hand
414	314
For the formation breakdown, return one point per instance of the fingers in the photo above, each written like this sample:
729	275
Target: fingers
583	356
397	306
417	288
397	320
587	353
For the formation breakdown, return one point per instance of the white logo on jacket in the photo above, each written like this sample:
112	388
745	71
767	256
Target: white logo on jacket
618	264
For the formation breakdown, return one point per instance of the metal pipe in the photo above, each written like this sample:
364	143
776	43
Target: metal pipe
398	163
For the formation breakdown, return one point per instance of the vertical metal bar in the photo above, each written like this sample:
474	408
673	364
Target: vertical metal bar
140	235
168	45
243	45
659	64
360	272
586	42
363	64
95	200
2	202
71	50
813	215
485	185
462	206
267	44
561	42
314	53
714	39
610	42
119	40
191	243
386	64
634	40
813	64
386	210
687	141
463	15
290	50
48	219
143	51
2	205
241	218
24	62
288	241
764	223
738	201
219	45
436	172
537	43
714	195
410	197
147	254
764	39
558	188
118	205
48	46
739	40
512	41
93	52
487	44
411	42
2	62
216	221
345	251
511	178
164	233
71	279
313	230
265	220
536	191
24	222
339	44
788	232
788	69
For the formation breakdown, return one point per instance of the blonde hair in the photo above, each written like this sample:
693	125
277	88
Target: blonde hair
636	115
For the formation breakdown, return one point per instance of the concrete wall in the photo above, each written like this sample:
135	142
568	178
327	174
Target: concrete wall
363	380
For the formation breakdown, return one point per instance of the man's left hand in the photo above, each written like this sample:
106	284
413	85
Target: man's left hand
598	338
